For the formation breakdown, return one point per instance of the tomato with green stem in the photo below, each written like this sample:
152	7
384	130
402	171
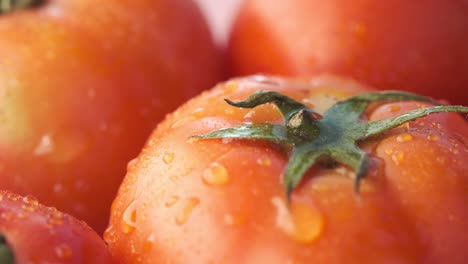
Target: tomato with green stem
399	44
316	170
33	233
83	83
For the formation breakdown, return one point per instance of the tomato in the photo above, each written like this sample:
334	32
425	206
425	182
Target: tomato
34	233
402	45
189	200
219	15
82	84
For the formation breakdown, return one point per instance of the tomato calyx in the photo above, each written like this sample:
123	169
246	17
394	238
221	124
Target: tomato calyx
333	136
7	6
6	254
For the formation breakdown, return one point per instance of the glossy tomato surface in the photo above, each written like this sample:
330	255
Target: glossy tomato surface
398	45
35	233
187	200
83	83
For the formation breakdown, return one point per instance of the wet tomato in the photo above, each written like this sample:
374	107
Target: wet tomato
83	83
33	233
207	200
404	45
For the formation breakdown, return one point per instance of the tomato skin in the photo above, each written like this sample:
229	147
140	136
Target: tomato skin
222	201
82	84
39	234
397	45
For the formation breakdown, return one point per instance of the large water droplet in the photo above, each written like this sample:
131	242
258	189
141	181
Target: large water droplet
308	222
45	145
394	108
216	174
63	251
302	222
190	204
131	164
109	235
171	201
233	220
264	161
433	137
168	157
148	245
398	157
129	218
405	137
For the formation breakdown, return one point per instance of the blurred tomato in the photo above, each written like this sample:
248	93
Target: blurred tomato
405	45
33	233
220	15
82	83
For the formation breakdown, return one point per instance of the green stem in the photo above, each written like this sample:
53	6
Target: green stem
332	136
7	6
6	254
383	125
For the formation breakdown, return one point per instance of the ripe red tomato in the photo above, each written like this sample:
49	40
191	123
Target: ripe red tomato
33	233
188	200
404	45
83	83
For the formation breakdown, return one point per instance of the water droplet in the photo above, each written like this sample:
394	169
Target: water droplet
216	174
454	150
91	93
394	108
55	218
82	186
283	218
233	220
45	146
359	29
398	157
303	222
308	102
30	203
148	245
103	126
433	137
264	161
31	200
229	111
7	216
109	235
441	159
226	140
308	222
63	147
405	137
57	188
129	218
249	114
168	157
63	251
173	178
190	204
182	121
132	163
262	79
228	219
